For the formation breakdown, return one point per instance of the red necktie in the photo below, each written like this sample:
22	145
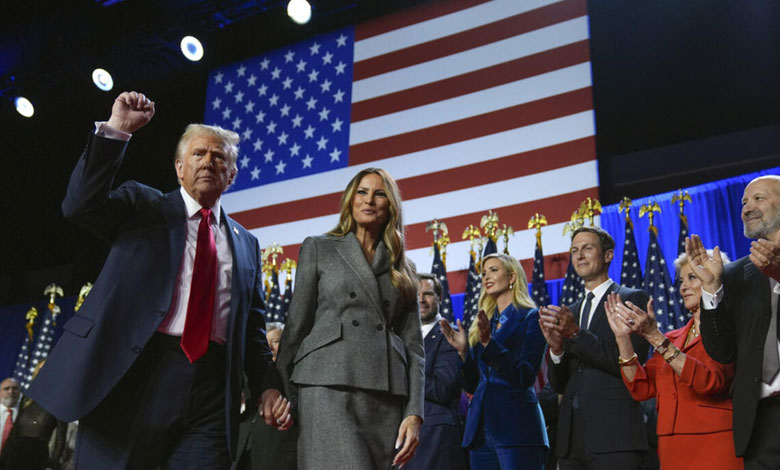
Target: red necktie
9	423
200	308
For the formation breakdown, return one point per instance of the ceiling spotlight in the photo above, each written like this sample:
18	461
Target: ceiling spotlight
191	48
102	79
299	11
24	107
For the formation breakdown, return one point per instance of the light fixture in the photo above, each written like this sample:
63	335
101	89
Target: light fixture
102	79
191	48
24	107
299	11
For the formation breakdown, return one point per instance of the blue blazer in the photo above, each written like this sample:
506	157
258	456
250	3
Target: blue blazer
501	377
146	230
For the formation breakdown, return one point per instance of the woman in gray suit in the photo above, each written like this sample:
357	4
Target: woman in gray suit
352	356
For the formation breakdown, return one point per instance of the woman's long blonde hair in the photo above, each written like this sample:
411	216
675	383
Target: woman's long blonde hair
520	296
402	274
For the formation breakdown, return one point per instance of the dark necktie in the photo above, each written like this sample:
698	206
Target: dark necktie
9	423
586	311
200	308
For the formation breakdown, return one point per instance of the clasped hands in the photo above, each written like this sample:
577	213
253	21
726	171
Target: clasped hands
557	324
275	410
459	338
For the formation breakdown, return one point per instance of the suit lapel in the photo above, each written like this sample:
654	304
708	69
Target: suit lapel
239	252
175	214
758	291
350	251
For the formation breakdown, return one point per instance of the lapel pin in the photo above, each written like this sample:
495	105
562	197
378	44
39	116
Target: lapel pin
235	230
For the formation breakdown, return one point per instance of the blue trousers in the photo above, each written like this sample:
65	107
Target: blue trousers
165	412
490	456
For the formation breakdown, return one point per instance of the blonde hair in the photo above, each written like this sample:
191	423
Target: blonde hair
520	296
228	138
402	274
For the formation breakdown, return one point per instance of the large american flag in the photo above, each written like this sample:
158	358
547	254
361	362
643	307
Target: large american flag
471	105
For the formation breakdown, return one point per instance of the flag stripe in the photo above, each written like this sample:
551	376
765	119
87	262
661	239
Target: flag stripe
472	128
413	16
426	184
443	25
500	74
534	187
478	58
469	39
493	146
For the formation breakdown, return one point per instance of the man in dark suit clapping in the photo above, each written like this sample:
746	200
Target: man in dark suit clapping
600	426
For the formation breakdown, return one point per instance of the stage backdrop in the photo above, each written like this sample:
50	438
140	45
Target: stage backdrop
470	105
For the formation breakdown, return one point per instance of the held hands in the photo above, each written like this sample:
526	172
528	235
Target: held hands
708	269
131	111
275	410
457	339
557	324
409	436
765	255
626	318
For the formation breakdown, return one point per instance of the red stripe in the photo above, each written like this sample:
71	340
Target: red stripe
470	128
512	166
500	74
557	209
476	37
426	12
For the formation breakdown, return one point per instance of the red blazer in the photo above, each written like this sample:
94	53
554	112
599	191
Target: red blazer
697	401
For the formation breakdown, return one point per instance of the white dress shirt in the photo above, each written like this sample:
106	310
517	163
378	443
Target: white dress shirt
173	324
427	327
4	414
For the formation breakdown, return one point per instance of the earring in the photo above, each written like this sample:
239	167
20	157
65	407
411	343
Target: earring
511	285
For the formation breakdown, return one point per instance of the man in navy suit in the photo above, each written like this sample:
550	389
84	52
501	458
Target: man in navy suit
599	426
440	434
153	363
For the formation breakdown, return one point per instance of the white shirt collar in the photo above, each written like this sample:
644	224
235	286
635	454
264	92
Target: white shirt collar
600	290
194	206
427	327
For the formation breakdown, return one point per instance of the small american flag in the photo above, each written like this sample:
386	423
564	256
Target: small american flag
573	286
438	270
661	288
631	276
538	286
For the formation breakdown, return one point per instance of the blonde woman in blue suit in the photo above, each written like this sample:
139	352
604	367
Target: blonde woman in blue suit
352	355
505	428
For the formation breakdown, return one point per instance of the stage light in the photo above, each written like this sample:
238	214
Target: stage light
24	107
191	48
102	79
299	11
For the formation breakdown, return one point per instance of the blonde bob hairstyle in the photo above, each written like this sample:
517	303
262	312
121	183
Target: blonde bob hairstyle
402	274
520	296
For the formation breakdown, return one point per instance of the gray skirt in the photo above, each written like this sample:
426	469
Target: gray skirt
347	428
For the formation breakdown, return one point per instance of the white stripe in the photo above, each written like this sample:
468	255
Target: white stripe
449	204
473	104
521	246
442	26
498	52
501	144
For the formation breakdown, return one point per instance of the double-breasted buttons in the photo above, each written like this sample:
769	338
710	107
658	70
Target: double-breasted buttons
355	323
352	295
380	327
387	303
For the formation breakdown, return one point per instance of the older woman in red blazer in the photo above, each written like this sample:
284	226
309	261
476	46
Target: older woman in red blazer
692	390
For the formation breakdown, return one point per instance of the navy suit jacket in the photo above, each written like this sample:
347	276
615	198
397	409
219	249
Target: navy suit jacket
133	293
501	377
589	379
440	432
737	330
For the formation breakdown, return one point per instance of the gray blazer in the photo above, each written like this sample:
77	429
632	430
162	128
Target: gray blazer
348	326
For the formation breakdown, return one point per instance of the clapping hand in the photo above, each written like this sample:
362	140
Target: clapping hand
708	269
456	338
